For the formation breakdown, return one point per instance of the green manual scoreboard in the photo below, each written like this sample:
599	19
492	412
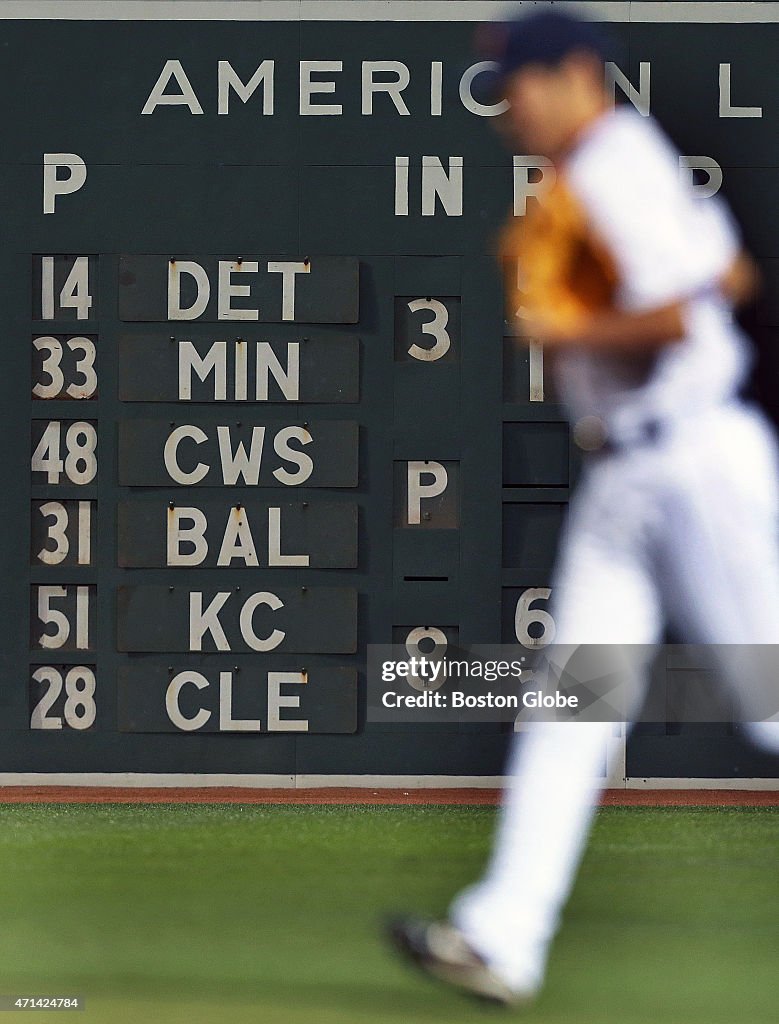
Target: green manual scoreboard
260	404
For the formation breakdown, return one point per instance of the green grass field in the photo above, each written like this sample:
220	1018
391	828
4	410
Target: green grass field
211	913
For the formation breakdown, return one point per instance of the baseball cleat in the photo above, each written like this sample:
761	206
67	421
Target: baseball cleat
442	951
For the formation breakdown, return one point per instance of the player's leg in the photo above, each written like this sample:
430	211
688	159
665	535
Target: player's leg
722	557
764	735
510	916
604	595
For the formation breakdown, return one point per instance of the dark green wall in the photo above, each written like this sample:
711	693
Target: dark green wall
287	186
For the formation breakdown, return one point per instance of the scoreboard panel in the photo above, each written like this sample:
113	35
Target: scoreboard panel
261	407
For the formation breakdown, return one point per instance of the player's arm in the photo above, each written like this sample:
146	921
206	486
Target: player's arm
742	280
625	331
665	253
610	330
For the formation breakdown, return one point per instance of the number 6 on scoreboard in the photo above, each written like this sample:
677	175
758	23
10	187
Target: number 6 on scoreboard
525	616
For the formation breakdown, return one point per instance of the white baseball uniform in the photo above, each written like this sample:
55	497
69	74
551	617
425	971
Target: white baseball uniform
677	526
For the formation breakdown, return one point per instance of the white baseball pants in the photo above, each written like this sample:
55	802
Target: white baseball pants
684	531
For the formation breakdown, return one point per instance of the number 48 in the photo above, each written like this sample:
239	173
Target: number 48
80	463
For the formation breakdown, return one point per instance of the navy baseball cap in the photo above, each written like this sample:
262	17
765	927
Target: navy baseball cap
544	37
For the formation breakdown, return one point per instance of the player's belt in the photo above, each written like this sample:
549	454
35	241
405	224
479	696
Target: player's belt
591	436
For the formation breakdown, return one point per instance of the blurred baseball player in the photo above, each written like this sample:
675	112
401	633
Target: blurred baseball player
629	282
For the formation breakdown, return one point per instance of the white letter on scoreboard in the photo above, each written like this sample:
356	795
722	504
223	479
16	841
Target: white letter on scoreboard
309	88
54	186
238	541
194	535
247	628
241	464
202	622
640	97
466	97
726	108
172	701
303	461
267	364
228	79
417	490
275	556
288	270
401	186
276	701
524	188
187	97
446	186
701	189
175	269
393	89
170	454
215	360
226	721
436	87
228	290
